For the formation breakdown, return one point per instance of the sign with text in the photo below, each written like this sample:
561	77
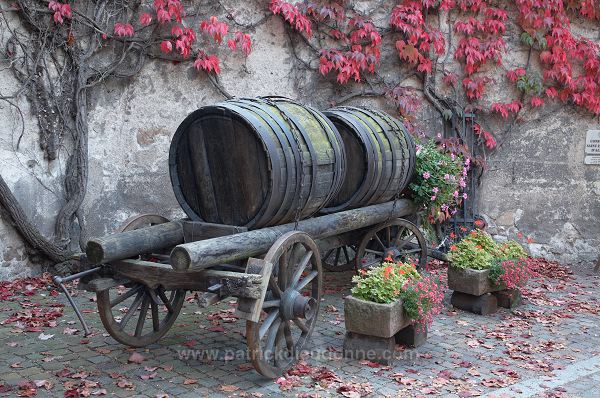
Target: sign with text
592	159
592	142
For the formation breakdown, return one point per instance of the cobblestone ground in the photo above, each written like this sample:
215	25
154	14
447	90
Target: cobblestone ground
547	347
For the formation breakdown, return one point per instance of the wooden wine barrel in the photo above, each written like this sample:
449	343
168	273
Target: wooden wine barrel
380	157
255	162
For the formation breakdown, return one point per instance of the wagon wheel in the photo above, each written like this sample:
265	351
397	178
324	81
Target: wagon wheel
290	313
118	306
399	239
340	259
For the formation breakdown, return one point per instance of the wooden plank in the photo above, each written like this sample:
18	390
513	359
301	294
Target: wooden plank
227	249
196	230
155	274
248	308
129	244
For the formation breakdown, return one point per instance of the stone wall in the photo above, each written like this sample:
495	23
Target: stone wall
536	183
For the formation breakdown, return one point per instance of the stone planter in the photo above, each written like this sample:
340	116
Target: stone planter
374	319
475	292
373	329
471	281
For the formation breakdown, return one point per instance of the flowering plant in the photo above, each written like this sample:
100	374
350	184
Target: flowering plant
440	178
510	273
421	296
505	261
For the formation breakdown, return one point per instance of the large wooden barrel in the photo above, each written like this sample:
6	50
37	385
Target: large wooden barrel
380	157
255	162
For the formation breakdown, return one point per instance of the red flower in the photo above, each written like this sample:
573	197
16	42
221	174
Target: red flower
453	248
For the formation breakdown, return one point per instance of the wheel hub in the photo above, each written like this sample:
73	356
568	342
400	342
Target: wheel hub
294	305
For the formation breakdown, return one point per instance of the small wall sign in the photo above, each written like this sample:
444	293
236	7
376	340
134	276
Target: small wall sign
591	159
592	142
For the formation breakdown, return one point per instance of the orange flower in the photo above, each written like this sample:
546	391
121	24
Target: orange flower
529	240
402	272
473	233
386	272
478	223
388	259
453	248
362	271
452	235
479	247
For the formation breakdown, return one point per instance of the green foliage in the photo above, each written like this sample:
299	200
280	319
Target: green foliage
530	84
437	179
411	302
468	254
479	251
496	271
512	250
383	284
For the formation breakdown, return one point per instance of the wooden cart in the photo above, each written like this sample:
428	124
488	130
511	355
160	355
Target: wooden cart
275	272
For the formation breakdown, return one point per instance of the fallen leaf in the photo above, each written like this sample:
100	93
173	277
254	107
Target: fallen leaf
136	357
43	336
228	388
190	381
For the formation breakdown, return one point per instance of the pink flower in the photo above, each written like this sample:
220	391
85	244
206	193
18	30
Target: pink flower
433	198
444	207
465	196
446	177
462	183
435	190
426	175
452	156
467	162
455	194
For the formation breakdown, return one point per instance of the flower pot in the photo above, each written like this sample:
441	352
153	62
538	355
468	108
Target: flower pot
471	281
374	319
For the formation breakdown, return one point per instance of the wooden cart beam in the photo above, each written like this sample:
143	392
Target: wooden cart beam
133	243
210	252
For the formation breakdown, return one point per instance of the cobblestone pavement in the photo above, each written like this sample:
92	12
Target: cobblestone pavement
548	347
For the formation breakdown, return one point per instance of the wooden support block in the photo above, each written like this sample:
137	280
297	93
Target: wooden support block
412	336
249	308
483	305
206	299
509	298
376	349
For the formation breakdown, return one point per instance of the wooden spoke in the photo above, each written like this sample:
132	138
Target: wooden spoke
289	340
125	296
407	240
276	341
268	322
142	318
271	304
384	247
301	268
306	280
141	299
134	306
301	325
165	300
342	261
